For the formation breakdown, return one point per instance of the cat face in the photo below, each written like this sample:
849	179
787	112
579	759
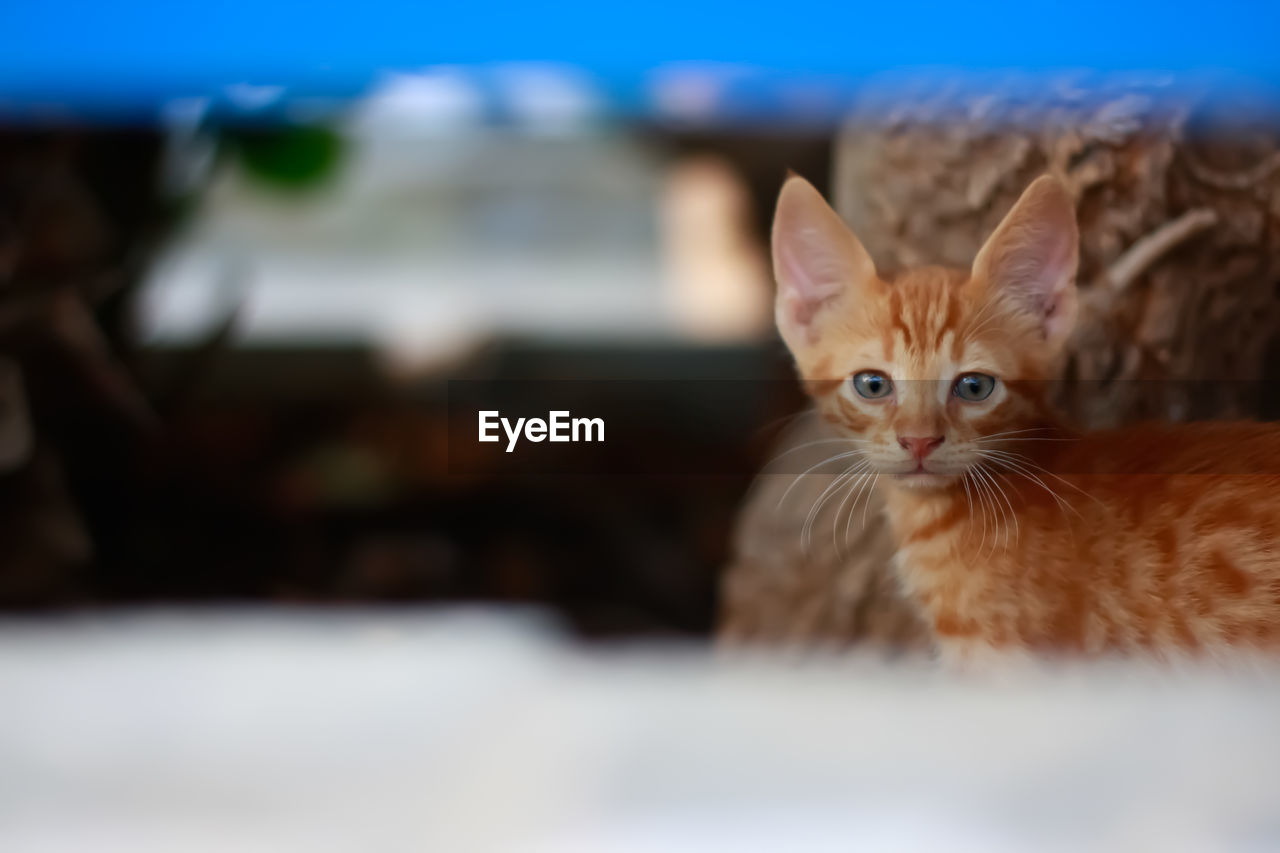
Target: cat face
931	368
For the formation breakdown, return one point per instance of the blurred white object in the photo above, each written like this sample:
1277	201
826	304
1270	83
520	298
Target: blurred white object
425	243
717	281
693	91
550	98
436	100
453	732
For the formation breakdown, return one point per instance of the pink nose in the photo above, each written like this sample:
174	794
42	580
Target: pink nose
920	447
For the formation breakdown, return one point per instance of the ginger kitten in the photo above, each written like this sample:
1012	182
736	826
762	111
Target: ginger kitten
1015	533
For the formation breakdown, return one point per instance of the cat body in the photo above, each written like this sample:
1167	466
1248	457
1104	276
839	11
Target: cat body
1014	532
1127	560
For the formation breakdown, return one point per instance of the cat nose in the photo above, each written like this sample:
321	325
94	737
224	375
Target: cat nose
920	447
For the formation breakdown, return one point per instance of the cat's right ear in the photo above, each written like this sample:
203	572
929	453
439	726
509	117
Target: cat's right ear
817	262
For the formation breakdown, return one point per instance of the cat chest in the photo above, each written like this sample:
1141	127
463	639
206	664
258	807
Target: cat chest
960	600
990	597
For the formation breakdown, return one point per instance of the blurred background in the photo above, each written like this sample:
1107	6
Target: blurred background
230	343
237	284
247	252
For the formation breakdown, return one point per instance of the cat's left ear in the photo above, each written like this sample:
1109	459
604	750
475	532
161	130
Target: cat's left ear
1030	261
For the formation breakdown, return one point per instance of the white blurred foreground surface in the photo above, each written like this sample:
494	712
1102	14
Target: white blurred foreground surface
296	732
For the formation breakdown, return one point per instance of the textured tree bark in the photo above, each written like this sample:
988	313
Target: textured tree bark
1178	201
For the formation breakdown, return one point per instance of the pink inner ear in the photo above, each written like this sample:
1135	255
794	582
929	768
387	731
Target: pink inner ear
1059	311
804	290
1045	263
1031	258
815	259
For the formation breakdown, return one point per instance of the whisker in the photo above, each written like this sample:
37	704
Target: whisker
968	499
838	480
1017	432
981	482
846	507
806	529
1026	470
974	326
791	450
781	420
1013	513
1063	503
857	486
1030	462
868	487
982	508
986	306
867	502
811	468
861	484
996	505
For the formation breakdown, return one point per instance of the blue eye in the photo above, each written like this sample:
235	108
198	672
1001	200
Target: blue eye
974	387
872	385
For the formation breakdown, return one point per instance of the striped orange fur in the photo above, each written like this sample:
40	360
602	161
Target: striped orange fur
1015	532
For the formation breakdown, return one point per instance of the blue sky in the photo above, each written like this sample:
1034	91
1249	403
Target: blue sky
143	52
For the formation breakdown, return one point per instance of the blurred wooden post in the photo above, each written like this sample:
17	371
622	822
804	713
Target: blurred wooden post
1179	209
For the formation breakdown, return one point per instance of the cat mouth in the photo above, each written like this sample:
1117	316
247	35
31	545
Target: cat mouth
921	476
